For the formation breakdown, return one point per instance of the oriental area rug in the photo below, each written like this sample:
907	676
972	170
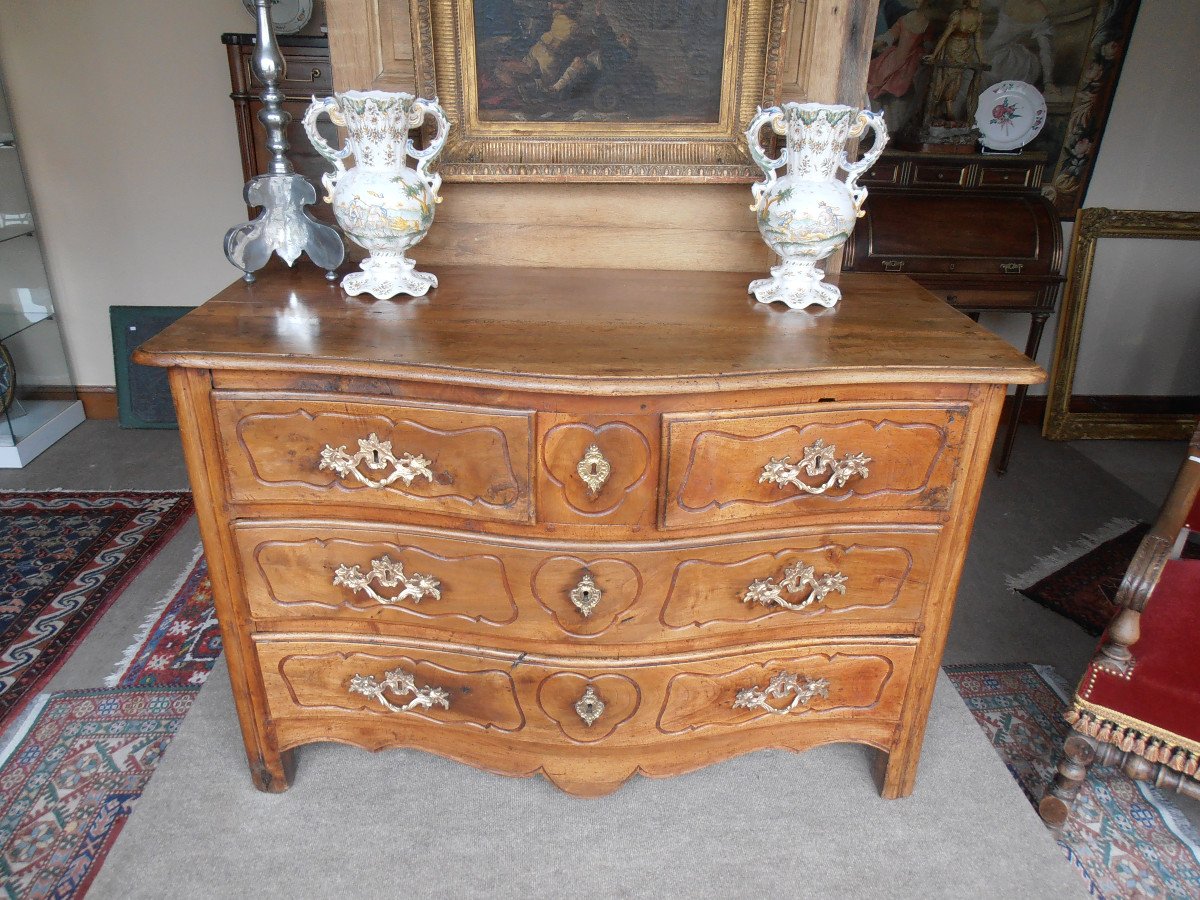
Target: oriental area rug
1080	581
1124	838
64	559
73	767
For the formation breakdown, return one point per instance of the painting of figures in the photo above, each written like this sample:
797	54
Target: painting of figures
1070	50
636	61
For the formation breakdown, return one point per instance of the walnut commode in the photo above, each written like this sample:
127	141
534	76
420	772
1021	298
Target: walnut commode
584	523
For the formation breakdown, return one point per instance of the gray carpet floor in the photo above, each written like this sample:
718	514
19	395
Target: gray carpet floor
404	823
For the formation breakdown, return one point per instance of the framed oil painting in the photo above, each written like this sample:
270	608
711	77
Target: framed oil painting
1070	50
587	90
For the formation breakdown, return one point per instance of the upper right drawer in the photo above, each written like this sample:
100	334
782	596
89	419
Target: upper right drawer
821	459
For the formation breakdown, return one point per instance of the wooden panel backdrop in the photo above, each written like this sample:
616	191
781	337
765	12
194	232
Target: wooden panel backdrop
644	226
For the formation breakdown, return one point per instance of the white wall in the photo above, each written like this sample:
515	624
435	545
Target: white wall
1144	303
127	133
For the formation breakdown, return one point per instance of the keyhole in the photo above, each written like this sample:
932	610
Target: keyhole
376	459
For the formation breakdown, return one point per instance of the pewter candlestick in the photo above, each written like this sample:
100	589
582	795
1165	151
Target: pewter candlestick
283	226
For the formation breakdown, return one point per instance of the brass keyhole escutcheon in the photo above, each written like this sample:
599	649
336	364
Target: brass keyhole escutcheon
593	469
586	595
590	707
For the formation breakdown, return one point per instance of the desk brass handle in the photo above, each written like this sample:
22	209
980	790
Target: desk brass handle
388	574
818	459
797	578
801	686
401	684
1011	268
893	265
378	456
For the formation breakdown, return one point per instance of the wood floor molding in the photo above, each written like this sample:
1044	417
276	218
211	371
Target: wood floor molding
98	402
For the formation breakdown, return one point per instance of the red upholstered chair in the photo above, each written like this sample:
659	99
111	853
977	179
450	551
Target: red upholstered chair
1138	703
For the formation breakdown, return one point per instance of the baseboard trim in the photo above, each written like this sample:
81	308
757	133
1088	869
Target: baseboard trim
98	402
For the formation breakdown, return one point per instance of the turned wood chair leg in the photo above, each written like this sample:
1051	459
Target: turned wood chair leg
1079	753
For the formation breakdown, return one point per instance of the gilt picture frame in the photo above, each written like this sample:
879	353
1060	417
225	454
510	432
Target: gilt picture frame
573	90
1061	422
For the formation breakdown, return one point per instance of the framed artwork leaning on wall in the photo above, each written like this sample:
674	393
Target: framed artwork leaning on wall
575	90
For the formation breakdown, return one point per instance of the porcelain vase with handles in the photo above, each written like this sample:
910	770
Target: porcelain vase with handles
382	203
806	214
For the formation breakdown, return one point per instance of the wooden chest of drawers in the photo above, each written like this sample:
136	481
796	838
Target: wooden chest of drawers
584	523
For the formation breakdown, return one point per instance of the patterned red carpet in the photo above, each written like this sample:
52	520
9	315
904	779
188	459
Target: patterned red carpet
64	558
74	767
1123	838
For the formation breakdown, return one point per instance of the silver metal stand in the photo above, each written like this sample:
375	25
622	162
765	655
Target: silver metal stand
283	226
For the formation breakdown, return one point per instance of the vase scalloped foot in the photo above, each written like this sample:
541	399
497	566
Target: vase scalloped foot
797	285
383	277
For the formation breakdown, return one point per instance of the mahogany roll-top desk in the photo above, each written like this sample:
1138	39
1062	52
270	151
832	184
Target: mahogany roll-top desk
584	523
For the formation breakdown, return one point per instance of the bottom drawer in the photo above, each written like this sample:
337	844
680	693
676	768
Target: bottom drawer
587	724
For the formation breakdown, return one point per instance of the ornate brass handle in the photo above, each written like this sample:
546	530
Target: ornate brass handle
590	707
796	578
389	575
401	684
803	687
594	469
816	461
893	265
586	594
378	456
1011	268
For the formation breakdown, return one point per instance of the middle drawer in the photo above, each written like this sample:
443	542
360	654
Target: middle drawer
715	591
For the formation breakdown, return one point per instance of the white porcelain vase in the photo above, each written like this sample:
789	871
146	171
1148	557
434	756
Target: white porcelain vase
382	204
806	214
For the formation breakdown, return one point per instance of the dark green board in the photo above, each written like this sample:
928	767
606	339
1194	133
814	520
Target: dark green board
143	395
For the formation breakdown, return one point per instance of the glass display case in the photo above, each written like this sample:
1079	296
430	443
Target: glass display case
38	404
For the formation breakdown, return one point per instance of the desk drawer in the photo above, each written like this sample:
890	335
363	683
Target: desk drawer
396	693
440	584
830	459
358	451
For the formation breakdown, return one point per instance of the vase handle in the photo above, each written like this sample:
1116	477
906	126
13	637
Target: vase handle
420	109
329	106
874	120
774	117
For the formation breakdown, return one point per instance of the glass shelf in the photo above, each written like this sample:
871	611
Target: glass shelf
14	321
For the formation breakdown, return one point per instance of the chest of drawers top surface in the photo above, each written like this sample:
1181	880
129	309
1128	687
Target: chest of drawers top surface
590	331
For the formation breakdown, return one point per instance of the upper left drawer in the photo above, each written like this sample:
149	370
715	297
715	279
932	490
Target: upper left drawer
440	459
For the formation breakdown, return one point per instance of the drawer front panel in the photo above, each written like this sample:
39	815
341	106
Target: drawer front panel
438	459
597	470
977	298
926	174
423	583
829	459
412	690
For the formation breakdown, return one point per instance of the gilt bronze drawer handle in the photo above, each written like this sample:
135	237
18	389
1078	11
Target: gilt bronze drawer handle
1011	268
803	687
818	460
593	469
401	684
796	578
378	456
389	575
586	594
590	707
893	265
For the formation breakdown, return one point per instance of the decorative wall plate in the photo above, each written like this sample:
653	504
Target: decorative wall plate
288	16
1010	115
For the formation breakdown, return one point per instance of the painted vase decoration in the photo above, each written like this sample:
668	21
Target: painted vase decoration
382	204
807	214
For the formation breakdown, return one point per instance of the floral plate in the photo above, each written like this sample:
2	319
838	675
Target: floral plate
1010	115
288	16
